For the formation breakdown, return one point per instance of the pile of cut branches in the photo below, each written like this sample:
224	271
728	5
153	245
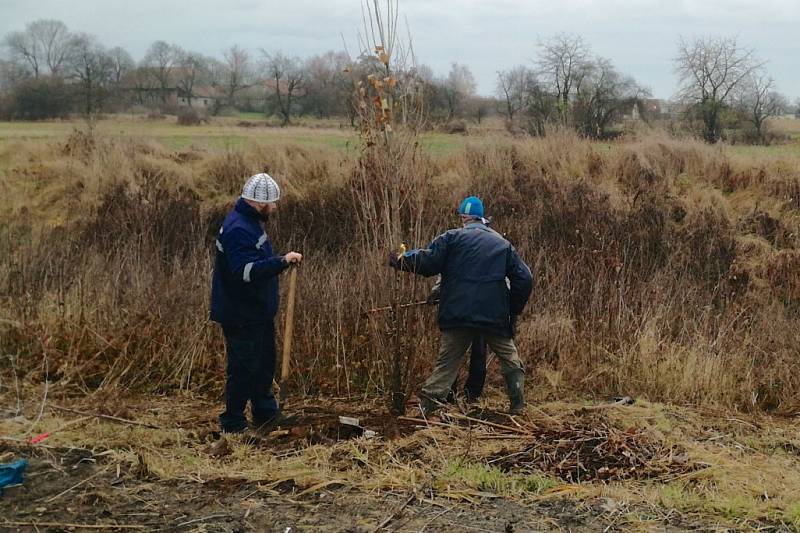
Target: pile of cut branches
589	449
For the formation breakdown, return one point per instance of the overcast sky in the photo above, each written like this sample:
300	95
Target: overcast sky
639	36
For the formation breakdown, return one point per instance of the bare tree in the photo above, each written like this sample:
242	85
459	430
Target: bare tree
563	63
92	69
757	101
121	64
215	72
287	79
709	69
237	72
604	94
54	42
514	88
24	51
190	69
160	60
458	87
44	46
327	87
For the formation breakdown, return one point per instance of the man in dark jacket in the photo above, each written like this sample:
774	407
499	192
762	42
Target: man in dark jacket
475	263
244	301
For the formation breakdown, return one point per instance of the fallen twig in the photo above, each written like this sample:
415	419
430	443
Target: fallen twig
57	496
438	515
65	525
319	486
203	519
392	516
426	422
487	423
105	417
501	437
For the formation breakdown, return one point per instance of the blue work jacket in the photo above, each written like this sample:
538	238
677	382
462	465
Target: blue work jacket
484	281
244	288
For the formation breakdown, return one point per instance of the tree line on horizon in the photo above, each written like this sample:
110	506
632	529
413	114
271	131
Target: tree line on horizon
48	71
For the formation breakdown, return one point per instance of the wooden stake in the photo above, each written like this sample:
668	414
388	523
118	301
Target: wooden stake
287	333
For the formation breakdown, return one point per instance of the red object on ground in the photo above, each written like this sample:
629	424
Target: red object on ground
39	438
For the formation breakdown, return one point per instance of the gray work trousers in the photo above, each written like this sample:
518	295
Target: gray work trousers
454	345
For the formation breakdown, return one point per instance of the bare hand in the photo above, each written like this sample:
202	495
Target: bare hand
293	258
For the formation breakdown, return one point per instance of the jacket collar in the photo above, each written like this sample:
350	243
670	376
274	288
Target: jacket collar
476	224
244	208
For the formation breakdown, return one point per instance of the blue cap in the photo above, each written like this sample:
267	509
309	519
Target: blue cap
471	206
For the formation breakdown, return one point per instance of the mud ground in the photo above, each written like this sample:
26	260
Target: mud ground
102	498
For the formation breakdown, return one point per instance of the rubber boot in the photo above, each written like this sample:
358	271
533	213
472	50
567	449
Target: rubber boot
471	397
426	406
515	385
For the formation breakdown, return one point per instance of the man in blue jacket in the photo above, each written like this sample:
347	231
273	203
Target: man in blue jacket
475	262
244	301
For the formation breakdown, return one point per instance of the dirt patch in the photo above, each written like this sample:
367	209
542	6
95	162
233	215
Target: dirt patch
111	500
478	468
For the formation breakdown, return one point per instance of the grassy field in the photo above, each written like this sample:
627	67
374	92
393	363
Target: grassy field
227	133
220	133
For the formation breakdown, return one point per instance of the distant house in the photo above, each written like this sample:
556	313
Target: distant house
203	97
647	109
651	107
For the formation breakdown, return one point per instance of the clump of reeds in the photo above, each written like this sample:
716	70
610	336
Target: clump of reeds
651	280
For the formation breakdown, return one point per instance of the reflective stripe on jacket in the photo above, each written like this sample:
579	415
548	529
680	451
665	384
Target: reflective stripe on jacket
244	288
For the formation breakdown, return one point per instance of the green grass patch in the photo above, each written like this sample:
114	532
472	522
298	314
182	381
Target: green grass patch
792	515
443	143
791	149
491	479
250	115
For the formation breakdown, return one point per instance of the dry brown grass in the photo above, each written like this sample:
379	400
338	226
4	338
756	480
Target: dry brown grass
665	268
701	465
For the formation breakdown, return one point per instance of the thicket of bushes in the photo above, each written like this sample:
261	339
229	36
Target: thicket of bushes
665	269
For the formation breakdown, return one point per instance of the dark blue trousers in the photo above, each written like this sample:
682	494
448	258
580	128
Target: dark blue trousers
251	367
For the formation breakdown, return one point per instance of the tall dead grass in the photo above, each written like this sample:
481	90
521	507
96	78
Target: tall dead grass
665	269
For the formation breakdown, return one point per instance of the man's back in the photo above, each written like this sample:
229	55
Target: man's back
474	262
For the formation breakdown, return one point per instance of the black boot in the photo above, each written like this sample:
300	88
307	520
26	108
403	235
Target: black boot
515	385
471	396
427	406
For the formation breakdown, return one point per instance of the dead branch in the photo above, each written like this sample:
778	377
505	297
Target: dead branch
391	517
65	525
105	417
75	486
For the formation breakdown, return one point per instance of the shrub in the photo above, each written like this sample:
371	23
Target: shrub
39	99
188	116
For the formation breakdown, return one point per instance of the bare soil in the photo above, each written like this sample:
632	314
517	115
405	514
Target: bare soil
72	486
102	474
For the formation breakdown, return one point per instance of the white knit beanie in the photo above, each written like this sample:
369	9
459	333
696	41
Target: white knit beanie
261	188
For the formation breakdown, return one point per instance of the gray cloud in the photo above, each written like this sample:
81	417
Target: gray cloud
638	35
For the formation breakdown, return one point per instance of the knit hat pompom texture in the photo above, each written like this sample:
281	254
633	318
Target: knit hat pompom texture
471	206
261	188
